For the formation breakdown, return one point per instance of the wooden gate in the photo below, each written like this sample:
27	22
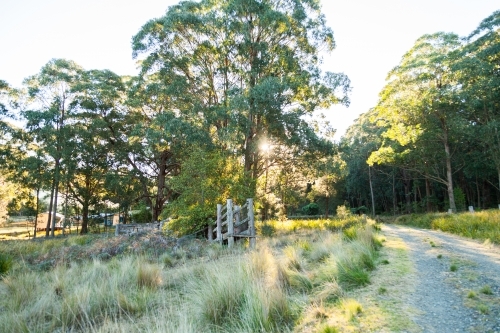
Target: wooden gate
234	222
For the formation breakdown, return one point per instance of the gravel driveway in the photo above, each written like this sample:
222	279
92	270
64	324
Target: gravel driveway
457	281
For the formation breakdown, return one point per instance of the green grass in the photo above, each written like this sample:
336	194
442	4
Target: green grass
328	329
486	290
483	308
484	225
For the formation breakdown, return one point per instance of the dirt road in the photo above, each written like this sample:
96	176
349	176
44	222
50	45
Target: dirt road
457	281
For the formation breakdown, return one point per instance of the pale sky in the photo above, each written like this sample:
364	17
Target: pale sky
371	37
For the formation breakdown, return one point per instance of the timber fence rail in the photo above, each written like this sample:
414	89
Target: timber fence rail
234	222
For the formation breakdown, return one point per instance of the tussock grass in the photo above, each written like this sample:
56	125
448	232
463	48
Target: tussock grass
292	282
486	290
352	308
483	225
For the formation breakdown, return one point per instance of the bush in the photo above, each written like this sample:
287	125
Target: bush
343	212
311	209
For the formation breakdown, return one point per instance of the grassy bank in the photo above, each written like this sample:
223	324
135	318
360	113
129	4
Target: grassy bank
292	282
483	225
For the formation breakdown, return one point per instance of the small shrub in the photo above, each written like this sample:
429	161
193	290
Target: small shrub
439	256
385	262
453	268
382	290
471	294
486	290
343	212
311	209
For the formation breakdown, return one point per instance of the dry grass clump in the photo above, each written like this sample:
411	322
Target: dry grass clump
148	276
245	296
352	308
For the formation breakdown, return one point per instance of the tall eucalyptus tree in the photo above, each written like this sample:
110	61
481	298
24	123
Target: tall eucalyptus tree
250	69
479	75
50	95
420	104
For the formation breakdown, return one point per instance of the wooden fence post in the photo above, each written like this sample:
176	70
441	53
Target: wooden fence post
117	230
251	224
230	224
210	232
236	216
219	223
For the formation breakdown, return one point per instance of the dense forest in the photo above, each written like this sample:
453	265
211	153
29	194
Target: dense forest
229	103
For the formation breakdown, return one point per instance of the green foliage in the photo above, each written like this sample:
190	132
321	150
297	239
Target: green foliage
5	263
206	178
459	198
143	215
311	209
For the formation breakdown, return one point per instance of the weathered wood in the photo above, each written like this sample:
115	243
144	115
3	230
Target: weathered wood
210	232
219	223
251	223
236	215
241	222
230	223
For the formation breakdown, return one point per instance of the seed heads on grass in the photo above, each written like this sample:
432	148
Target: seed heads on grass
486	290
